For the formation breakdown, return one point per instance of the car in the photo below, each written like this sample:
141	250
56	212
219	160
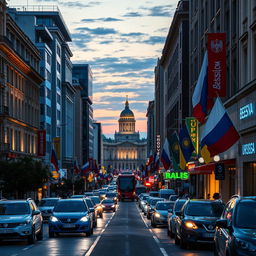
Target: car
78	196
173	197
160	212
46	206
146	205
20	219
196	222
112	195
154	193
92	207
71	216
151	206
166	193
98	206
236	229
142	199
139	190
172	217
88	194
108	205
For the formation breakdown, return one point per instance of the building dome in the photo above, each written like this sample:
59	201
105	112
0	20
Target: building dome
127	113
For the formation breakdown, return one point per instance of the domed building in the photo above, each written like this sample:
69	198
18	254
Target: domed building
126	150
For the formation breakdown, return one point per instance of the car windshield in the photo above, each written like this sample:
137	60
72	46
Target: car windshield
246	215
126	184
164	206
89	203
179	205
153	202
145	197
107	201
204	209
14	209
70	206
46	202
96	200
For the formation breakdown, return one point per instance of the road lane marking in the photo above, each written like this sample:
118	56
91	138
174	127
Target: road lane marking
156	239
163	251
93	246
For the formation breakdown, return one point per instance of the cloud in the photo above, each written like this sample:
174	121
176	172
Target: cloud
80	40
76	4
133	34
106	42
133	14
98	31
108	19
159	11
155	40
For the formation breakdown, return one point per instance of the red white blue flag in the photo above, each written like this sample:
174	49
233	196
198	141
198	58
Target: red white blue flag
165	155
219	133
86	167
54	160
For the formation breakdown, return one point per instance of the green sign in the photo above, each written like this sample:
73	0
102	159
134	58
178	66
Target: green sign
192	125
176	175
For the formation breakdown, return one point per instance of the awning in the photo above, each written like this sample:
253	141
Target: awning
209	168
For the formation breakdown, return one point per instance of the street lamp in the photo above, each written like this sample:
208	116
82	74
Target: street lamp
216	158
201	160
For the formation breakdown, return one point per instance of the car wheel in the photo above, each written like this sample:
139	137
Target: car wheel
32	237
39	236
51	234
183	243
176	240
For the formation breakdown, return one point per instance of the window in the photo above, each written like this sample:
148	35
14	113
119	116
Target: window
58	50
58	98
48	58
58	67
48	93
48	111
58	115
48	76
244	65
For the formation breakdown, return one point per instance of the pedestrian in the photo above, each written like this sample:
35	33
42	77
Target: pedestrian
216	196
208	196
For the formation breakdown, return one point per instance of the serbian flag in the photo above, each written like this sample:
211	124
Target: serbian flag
165	155
200	101
54	160
86	167
219	133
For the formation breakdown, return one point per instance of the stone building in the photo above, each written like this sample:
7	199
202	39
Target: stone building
126	150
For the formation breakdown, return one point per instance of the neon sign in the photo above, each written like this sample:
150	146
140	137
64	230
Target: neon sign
249	149
247	111
176	175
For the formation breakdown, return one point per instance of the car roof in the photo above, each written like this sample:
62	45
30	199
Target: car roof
72	199
14	201
50	198
164	202
203	201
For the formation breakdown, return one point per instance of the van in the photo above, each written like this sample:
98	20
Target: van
165	193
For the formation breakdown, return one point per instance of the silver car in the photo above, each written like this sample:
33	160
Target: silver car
46	206
20	219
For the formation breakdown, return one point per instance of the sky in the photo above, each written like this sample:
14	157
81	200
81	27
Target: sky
121	40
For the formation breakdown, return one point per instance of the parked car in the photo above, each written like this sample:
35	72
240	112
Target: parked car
98	208
196	221
166	193
108	205
151	206
46	206
172	217
236	229
160	212
20	219
71	216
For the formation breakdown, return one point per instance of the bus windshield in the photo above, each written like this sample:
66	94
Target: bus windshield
126	184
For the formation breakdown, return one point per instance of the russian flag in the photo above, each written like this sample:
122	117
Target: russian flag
86	167
219	133
200	96
54	160
156	161
165	155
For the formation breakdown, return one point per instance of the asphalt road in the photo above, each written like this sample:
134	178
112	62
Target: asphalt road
125	233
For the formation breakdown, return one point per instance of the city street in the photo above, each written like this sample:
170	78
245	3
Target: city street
124	233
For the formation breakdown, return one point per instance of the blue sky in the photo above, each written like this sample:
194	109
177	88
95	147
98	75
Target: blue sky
121	40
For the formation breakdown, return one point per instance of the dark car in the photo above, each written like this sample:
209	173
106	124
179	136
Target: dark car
154	193
112	195
108	205
160	213
196	222
172	217
236	230
151	206
139	190
71	216
92	206
46	206
98	206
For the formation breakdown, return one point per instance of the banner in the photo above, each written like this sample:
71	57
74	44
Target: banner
41	142
56	143
217	64
192	125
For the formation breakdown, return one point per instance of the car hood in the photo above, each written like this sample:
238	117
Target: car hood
69	214
14	218
163	212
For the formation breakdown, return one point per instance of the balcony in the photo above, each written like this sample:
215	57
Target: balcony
4	110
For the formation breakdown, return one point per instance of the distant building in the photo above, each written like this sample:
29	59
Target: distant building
150	129
83	73
45	26
126	150
19	90
97	143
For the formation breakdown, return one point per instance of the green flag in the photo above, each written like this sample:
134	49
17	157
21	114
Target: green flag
174	150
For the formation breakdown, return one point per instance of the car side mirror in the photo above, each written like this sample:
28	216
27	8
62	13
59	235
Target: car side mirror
36	212
179	213
91	210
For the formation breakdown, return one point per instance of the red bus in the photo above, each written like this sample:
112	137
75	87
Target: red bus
126	184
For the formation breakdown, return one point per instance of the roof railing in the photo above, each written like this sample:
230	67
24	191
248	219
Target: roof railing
36	8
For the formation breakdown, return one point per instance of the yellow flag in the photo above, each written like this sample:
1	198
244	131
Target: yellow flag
182	161
206	154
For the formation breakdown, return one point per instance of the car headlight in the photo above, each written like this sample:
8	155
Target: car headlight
245	245
190	225
53	219
115	198
142	202
113	206
157	215
84	219
26	222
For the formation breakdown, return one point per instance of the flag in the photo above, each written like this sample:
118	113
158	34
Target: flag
156	161
186	147
200	101
54	160
219	133
151	158
174	150
165	155
76	168
86	167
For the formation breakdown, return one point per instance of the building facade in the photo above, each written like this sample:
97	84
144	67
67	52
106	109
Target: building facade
19	90
237	19
126	151
150	128
47	30
97	143
83	73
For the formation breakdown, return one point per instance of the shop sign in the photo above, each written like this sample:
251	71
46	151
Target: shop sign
247	111
158	144
219	171
249	149
192	125
176	175
41	142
